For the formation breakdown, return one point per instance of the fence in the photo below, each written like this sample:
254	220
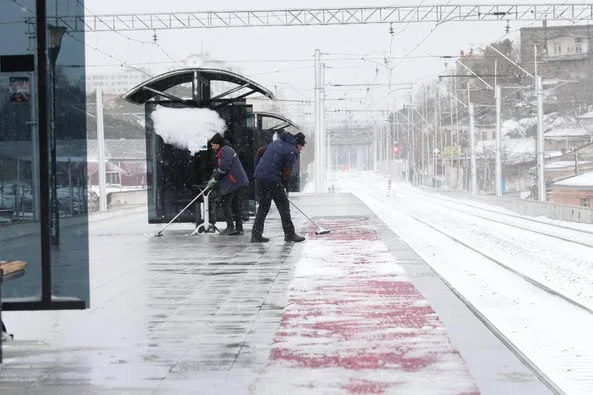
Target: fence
535	208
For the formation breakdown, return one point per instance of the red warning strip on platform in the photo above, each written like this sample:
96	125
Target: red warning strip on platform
355	324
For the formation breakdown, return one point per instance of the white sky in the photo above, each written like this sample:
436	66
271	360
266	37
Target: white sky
283	56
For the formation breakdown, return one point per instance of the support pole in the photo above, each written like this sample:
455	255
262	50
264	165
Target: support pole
434	136
101	151
413	131
44	127
472	142
318	136
408	145
422	131
324	150
541	181
35	151
498	97
375	148
55	203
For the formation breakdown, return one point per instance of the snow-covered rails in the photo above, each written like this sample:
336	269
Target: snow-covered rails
566	233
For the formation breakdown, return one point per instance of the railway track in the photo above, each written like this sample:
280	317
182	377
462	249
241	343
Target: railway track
543	376
580	232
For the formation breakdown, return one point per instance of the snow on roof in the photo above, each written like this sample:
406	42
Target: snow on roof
552	154
587	115
561	164
514	150
583	180
567	132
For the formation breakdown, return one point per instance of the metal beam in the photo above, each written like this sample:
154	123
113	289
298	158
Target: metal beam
325	16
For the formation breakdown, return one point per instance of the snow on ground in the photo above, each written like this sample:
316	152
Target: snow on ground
459	198
552	333
355	317
560	265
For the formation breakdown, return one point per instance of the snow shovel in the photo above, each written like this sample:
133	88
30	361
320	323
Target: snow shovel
320	230
160	232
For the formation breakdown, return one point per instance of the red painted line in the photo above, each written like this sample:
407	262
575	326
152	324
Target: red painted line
359	326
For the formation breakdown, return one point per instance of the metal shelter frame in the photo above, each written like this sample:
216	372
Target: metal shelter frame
285	122
435	13
199	78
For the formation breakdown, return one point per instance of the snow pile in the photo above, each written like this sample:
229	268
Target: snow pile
187	128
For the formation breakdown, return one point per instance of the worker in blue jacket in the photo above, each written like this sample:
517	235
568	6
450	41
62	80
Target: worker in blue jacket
233	182
274	167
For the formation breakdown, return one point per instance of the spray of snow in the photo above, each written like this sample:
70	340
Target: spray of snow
187	128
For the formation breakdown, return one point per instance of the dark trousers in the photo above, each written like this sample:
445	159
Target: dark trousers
266	192
232	208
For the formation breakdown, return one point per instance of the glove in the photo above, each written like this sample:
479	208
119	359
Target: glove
212	183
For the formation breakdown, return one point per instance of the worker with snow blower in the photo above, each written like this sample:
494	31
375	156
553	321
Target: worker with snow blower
233	181
274	167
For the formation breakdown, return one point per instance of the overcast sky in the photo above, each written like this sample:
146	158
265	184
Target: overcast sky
282	56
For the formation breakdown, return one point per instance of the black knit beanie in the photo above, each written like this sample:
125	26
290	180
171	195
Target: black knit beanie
300	138
217	139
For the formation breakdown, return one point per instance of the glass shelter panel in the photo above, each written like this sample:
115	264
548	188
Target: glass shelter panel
43	157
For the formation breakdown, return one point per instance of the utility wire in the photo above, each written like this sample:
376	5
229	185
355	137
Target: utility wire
141	42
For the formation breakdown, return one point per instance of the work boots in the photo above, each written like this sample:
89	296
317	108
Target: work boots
230	229
259	239
296	238
238	231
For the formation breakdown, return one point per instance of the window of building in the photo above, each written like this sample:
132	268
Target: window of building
112	178
586	202
578	49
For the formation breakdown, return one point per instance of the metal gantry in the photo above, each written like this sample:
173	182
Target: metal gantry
326	16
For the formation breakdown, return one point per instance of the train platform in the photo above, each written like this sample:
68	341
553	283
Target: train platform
355	311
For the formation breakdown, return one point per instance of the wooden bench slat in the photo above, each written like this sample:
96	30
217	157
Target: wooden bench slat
11	267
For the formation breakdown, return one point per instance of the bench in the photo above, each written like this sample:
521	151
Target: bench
9	271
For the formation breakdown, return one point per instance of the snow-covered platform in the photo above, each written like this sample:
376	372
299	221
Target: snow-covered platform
355	311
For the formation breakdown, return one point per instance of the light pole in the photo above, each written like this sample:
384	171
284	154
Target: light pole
395	132
318	125
56	34
541	181
472	143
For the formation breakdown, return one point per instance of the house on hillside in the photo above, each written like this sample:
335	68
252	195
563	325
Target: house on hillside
125	163
574	191
517	158
561	53
567	139
562	169
570	164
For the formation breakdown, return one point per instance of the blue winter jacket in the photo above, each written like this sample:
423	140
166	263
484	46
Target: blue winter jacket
230	171
278	159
